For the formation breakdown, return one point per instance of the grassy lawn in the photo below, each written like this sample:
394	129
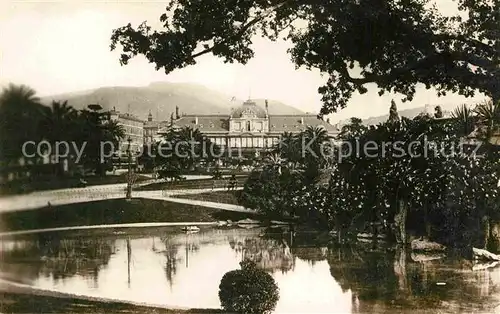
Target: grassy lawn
34	303
114	211
189	184
226	197
56	183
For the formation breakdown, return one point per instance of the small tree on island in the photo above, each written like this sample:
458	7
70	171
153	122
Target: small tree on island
248	290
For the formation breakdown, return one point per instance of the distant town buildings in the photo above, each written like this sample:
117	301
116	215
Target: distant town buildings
134	129
151	129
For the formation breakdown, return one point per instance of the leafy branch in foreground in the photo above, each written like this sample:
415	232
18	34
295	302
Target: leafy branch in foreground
394	44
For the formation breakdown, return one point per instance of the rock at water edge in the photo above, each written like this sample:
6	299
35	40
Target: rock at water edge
426	246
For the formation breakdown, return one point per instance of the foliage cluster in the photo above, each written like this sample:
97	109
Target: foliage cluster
392	44
181	150
24	118
433	175
248	290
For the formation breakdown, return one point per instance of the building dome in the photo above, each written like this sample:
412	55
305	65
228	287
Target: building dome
249	109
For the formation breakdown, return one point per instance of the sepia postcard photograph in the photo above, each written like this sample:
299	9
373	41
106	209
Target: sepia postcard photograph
250	156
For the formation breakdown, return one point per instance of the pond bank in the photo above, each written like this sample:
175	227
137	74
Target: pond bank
115	211
18	298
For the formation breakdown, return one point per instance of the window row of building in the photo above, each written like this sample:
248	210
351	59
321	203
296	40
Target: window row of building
245	142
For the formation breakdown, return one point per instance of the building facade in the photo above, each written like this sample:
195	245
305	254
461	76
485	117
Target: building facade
134	130
248	128
151	129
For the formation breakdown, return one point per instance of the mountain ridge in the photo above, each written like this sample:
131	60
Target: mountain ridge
161	98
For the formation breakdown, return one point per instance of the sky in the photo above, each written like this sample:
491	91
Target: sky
59	47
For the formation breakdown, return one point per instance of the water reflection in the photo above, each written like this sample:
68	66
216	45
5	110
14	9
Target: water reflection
269	254
171	268
56	258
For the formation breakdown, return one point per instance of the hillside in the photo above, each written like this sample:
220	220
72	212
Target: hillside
161	98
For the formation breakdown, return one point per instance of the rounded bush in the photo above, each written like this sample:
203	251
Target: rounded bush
248	290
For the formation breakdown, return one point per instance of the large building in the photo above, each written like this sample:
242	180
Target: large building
134	130
247	128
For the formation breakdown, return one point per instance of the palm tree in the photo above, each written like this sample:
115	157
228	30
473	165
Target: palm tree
20	120
276	162
113	132
184	155
288	149
23	94
318	136
488	115
312	153
94	128
464	119
59	122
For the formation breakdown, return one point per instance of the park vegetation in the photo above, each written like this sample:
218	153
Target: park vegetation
24	118
436	177
392	45
248	290
182	150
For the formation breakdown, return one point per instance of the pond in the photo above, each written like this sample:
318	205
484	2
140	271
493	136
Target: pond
167	267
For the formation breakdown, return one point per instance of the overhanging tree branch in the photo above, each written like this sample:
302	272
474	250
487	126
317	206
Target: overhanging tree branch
480	81
243	29
395	73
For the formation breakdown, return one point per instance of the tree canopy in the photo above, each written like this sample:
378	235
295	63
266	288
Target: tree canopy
248	290
182	150
24	119
20	120
395	44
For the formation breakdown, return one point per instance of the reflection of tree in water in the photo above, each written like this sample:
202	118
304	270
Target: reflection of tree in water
311	254
308	246
389	280
171	252
370	275
268	254
62	257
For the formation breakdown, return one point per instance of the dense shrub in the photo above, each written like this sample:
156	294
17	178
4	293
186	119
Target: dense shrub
248	290
263	192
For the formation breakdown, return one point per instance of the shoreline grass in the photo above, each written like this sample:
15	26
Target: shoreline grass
114	211
225	197
33	301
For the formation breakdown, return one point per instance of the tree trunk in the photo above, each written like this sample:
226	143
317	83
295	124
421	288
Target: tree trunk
493	241
485	226
338	226
426	221
400	222
400	270
374	234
